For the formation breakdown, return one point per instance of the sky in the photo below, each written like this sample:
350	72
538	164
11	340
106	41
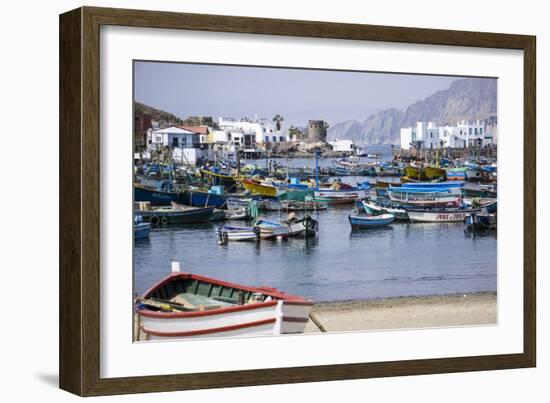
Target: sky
297	94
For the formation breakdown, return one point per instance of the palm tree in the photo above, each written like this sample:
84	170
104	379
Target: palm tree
278	119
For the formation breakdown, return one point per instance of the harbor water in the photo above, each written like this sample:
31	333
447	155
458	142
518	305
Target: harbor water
404	259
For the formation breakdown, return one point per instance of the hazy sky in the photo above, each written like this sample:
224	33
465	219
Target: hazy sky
298	95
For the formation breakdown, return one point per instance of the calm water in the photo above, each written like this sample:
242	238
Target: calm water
400	260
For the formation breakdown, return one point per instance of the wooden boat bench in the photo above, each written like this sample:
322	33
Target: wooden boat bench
198	302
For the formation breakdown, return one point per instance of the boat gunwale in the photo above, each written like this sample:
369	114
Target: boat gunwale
288	299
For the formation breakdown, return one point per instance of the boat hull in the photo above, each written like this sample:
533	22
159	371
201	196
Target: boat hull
438	216
333	197
237	234
155	197
201	198
142	230
424	199
259	189
175	216
358	222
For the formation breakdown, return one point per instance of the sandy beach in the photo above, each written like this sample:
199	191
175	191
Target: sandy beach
401	313
406	312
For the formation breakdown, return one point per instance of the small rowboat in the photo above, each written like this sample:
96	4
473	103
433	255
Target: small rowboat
481	222
370	221
185	306
236	214
376	209
305	227
271	229
229	233
141	229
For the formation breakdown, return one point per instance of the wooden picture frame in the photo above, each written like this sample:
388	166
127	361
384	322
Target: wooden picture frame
80	198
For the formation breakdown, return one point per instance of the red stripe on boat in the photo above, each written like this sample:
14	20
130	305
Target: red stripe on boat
211	330
217	311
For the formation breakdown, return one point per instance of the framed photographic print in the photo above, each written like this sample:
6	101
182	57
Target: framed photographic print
249	201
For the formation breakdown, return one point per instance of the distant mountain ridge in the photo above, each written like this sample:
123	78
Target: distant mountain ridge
465	99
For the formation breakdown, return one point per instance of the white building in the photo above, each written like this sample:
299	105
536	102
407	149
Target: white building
258	131
429	136
342	145
185	144
173	136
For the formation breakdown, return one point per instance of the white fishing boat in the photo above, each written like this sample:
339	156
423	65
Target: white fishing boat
375	209
306	226
234	234
236	214
345	196
271	229
186	306
439	215
427	199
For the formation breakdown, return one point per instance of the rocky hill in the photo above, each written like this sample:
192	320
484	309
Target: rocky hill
470	98
154	114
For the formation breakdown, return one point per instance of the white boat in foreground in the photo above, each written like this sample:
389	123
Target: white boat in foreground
185	305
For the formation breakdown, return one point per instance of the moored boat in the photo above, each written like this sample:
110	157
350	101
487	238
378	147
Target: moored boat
439	215
185	305
345	196
370	221
236	214
305	226
271	229
481	222
373	208
174	214
257	188
432	198
141	229
231	233
157	197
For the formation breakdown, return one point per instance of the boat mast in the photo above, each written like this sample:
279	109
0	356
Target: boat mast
316	169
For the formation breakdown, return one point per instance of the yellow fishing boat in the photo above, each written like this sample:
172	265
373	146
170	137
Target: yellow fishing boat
425	173
256	188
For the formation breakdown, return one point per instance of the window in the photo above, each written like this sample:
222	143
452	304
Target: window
175	142
266	140
470	130
158	139
481	130
274	138
281	138
475	131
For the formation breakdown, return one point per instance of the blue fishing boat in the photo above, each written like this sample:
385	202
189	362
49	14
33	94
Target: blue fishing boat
176	214
156	196
203	198
370	221
141	229
481	222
